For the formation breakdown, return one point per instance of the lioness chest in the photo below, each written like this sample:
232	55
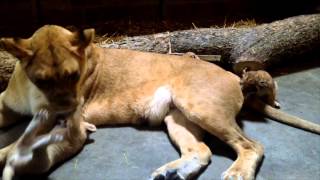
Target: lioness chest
129	86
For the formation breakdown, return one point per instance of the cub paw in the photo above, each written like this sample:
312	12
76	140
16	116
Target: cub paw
191	55
277	105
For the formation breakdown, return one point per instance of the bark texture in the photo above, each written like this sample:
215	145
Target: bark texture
7	63
254	48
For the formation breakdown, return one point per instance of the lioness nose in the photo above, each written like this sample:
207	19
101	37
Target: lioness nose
66	101
64	94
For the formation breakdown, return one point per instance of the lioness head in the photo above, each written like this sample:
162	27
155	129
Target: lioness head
54	59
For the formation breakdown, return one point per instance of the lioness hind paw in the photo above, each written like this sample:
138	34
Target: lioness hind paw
168	175
235	175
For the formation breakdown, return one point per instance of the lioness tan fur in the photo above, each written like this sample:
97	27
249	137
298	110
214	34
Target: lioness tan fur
127	87
260	93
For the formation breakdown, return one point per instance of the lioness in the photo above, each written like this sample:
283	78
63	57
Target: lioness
57	68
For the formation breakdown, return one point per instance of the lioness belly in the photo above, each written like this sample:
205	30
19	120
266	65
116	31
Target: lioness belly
144	86
140	105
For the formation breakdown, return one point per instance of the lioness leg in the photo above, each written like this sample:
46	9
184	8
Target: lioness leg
3	154
29	135
28	153
249	152
214	109
194	153
38	153
7	115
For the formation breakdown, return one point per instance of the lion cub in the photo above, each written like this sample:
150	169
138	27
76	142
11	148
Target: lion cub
258	83
261	84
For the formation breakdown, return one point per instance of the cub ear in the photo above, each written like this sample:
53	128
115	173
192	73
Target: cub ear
19	48
84	38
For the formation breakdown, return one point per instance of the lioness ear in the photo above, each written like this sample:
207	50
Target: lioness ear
84	38
19	48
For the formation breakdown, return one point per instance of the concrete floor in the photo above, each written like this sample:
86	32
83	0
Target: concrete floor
127	153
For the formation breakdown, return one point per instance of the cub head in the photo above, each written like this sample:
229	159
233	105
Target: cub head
54	60
256	81
260	84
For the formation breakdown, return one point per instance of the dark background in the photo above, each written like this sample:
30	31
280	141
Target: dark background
22	17
130	153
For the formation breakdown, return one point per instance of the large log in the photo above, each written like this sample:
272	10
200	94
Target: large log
7	63
254	48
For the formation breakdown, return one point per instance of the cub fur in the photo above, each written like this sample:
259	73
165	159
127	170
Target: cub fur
261	84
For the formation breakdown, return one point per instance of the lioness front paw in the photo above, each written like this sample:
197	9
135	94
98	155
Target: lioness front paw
24	153
24	156
89	127
38	120
30	149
